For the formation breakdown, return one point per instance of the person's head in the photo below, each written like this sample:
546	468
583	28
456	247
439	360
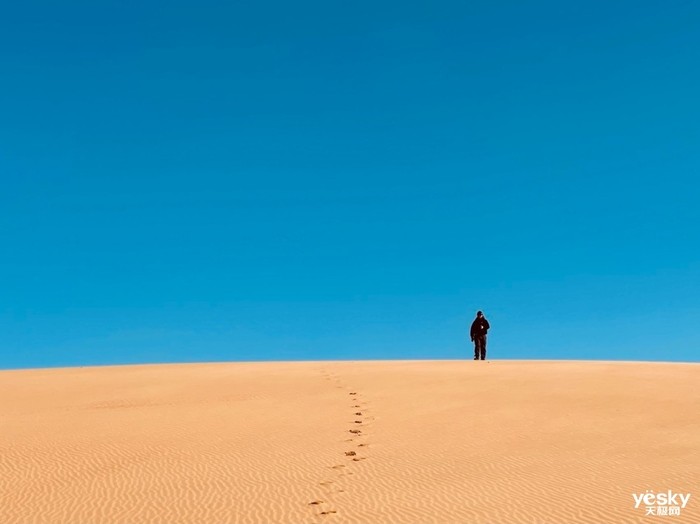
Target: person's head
479	314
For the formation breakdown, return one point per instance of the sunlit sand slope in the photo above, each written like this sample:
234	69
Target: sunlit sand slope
349	442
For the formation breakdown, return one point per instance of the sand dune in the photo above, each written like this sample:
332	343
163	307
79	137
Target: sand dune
349	442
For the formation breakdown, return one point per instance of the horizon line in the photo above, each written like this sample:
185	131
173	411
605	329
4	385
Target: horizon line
311	361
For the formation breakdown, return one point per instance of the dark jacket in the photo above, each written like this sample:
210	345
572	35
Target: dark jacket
479	327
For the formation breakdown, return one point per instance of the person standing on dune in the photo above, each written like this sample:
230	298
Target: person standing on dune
480	327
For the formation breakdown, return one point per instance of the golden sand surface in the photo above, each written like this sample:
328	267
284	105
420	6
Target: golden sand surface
349	442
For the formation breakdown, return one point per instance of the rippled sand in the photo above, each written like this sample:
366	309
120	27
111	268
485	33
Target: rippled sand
348	442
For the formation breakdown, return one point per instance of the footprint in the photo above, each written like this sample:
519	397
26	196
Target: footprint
358	422
315	502
337	466
353	393
357	459
361	445
328	512
356	431
325	483
358	413
350	453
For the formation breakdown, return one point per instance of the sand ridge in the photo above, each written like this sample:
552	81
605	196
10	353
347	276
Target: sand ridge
348	442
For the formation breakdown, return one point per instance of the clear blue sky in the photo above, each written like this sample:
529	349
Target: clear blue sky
205	181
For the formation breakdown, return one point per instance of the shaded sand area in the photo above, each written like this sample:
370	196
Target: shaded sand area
348	442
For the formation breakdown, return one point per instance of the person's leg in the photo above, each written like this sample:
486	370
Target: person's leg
483	347
478	347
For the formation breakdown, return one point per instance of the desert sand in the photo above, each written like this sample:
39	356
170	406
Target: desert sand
349	442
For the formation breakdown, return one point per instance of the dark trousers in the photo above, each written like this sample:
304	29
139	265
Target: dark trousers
480	347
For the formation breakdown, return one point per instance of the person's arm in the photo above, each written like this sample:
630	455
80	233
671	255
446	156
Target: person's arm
471	331
488	326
